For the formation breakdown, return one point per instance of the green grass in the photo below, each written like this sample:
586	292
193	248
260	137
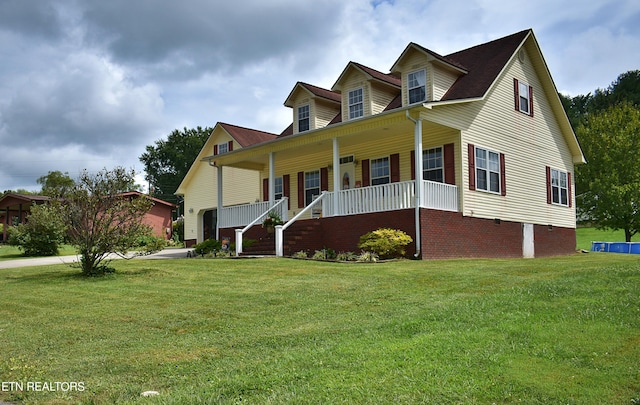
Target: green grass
273	331
584	237
8	252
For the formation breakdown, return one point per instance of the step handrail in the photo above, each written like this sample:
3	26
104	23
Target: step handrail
240	232
281	228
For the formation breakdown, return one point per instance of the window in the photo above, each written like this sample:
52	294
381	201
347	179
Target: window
417	86
278	188
356	104
523	92
223	148
303	118
380	171
311	186
487	170
559	187
432	169
523	97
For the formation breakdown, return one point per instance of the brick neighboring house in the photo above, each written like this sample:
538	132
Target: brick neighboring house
493	175
14	209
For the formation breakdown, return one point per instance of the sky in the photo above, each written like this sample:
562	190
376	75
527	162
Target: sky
88	84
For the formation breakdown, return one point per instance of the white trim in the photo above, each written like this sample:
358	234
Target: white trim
487	169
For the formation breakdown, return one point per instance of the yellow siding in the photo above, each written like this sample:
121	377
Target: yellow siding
401	143
529	144
442	81
353	81
412	62
200	187
381	97
325	112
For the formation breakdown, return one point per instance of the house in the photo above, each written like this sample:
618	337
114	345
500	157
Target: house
160	216
493	175
15	208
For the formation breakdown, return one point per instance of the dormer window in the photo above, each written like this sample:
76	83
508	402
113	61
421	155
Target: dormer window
303	118
417	86
356	104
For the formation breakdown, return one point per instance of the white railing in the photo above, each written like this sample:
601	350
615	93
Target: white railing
281	228
392	196
279	207
242	215
439	196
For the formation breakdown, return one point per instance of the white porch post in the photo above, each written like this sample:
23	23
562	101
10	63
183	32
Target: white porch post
279	234
419	163
272	179
219	202
418	183
336	176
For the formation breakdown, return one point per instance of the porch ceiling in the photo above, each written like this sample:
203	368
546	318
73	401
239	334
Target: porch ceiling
351	134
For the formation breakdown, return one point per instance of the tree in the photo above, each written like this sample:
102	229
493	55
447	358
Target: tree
43	232
609	184
55	183
101	219
168	161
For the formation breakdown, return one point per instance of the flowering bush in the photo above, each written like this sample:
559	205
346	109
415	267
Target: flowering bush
272	219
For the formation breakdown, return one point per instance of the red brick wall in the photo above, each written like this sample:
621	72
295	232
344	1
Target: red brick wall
554	241
342	234
444	235
451	235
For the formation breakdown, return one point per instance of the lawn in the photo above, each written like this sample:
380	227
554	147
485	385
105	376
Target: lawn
261	331
584	237
8	252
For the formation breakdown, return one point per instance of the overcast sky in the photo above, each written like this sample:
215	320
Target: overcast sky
87	84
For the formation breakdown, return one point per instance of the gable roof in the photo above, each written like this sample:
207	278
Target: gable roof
384	78
11	199
483	63
155	200
247	136
315	91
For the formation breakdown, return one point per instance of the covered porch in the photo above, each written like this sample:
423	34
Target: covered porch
334	173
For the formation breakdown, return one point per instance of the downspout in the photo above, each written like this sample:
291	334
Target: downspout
417	140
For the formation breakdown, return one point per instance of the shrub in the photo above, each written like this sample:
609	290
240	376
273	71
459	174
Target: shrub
346	256
369	257
324	254
302	254
151	244
41	235
387	243
207	246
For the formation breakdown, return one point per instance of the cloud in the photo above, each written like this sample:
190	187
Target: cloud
91	83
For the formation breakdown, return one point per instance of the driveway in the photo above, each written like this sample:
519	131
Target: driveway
170	253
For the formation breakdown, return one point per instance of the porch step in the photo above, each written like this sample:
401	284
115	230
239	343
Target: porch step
300	236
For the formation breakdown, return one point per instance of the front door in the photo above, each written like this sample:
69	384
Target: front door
347	172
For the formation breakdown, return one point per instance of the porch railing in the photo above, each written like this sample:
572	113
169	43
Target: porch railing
363	200
439	196
392	196
281	228
280	207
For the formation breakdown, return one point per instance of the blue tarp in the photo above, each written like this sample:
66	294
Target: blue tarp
616	247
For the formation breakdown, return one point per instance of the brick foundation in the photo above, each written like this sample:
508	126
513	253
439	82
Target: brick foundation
444	235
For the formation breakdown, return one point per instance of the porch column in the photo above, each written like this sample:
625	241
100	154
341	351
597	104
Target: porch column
418	186
272	179
419	166
336	176
219	203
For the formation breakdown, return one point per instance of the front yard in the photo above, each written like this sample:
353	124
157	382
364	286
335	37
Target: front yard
560	330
